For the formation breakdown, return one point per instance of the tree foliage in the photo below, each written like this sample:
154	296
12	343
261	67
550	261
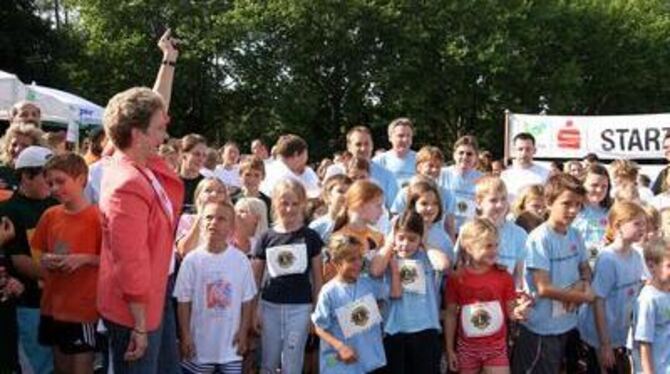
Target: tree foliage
251	68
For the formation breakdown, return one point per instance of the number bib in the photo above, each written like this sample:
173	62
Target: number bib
286	259
358	316
482	319
412	277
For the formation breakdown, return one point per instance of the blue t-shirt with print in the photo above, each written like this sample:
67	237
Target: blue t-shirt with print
413	311
402	168
652	325
560	255
617	279
367	344
462	188
591	223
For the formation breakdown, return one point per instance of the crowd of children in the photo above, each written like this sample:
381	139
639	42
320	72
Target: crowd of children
455	267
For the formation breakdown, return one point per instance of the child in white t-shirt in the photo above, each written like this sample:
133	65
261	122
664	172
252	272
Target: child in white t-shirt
215	289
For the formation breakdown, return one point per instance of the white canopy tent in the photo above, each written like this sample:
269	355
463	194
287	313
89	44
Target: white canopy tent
56	106
11	91
81	110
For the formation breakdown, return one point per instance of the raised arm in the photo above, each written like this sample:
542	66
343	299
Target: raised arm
165	78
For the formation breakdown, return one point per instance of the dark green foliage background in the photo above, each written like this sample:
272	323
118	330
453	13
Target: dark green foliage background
316	67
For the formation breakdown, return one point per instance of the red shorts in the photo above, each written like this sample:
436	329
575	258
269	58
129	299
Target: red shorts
476	356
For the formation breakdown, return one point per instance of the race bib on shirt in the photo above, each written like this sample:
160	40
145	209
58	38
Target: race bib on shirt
482	319
286	259
358	316
465	206
412	277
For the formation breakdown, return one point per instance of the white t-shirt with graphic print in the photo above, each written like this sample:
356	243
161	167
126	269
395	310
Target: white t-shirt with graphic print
216	284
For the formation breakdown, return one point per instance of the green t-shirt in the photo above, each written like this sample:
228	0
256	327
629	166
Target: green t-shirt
24	214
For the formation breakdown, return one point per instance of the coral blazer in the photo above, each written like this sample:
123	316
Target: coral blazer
137	239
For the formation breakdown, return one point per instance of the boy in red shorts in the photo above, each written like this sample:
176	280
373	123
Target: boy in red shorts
69	236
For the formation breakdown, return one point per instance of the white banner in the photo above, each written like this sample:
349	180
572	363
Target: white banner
609	137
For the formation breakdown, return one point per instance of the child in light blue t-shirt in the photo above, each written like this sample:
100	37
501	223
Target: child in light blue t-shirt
491	200
334	189
651	330
347	316
424	199
412	322
558	276
591	222
617	279
429	162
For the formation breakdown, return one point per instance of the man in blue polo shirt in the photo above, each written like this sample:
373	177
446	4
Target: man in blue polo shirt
401	159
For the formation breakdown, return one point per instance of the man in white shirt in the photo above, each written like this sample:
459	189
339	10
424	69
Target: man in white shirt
401	159
523	172
291	162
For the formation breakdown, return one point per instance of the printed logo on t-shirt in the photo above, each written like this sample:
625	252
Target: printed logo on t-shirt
286	259
481	319
465	207
219	294
462	207
412	276
358	316
408	274
573	247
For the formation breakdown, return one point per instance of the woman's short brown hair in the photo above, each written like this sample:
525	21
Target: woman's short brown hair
127	110
190	141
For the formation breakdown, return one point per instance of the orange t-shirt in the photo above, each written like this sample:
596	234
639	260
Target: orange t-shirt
372	240
69	297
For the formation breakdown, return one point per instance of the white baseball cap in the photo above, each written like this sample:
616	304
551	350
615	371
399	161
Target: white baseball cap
33	157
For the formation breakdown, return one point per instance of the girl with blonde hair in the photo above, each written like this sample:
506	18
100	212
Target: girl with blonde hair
604	324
